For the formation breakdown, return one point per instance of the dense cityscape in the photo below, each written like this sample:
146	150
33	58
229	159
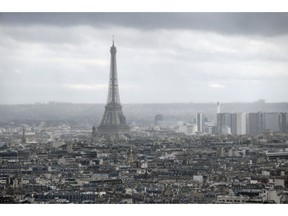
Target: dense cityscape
60	144
168	162
236	158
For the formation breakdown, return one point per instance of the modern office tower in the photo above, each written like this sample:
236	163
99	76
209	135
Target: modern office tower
283	122
233	125
224	123
113	123
254	123
286	116
200	122
241	124
258	123
158	118
251	123
271	122
218	108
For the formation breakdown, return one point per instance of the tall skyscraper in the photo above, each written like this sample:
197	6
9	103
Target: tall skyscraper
254	123
241	124
271	121
283	122
113	123
200	122
218	108
224	123
231	123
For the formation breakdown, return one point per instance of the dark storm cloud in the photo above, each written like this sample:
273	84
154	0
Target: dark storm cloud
268	24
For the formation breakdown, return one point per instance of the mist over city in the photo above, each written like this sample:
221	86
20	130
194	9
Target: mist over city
143	108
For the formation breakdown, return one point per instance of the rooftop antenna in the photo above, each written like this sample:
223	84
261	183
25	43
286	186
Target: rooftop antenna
113	39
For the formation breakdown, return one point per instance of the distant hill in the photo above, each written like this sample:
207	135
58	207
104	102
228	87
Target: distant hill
139	113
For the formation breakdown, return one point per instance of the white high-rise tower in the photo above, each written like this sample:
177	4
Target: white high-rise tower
218	107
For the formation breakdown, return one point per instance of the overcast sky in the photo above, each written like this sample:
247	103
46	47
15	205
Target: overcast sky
161	58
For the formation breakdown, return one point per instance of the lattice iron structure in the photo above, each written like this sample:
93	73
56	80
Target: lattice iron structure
113	121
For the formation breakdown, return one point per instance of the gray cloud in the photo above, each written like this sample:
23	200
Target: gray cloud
162	57
268	24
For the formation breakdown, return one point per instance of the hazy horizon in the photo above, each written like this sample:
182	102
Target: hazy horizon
161	57
62	102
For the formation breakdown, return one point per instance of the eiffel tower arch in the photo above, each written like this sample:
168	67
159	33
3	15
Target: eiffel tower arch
113	123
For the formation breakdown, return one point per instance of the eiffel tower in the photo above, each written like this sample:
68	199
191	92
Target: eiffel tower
113	122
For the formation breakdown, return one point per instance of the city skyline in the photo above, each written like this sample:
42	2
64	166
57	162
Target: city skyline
204	98
164	57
